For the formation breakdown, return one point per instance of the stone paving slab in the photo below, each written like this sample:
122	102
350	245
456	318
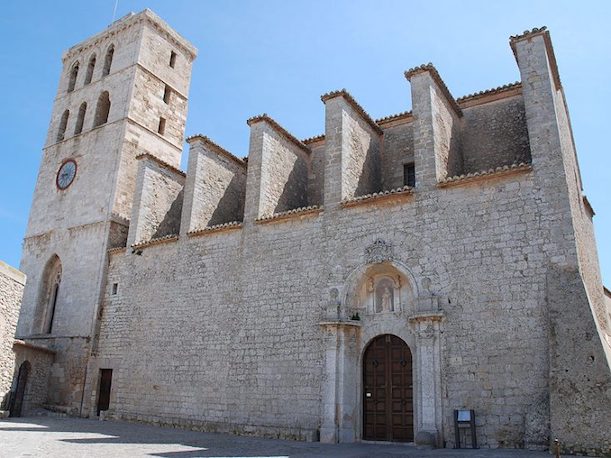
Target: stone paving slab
70	437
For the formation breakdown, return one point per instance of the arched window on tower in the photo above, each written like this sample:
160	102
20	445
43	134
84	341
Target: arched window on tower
50	287
62	126
73	76
102	109
80	118
108	60
90	69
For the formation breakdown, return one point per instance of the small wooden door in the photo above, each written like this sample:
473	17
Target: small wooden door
22	380
388	400
104	394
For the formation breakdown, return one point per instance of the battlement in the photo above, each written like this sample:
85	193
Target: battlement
441	142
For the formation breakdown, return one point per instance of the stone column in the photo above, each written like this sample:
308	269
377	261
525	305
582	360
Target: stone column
339	381
427	327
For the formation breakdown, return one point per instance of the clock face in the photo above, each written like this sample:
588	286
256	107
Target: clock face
66	174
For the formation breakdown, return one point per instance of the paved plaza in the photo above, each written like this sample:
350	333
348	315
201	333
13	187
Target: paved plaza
69	437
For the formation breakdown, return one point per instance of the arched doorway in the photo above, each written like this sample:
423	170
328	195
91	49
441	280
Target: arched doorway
22	380
388	399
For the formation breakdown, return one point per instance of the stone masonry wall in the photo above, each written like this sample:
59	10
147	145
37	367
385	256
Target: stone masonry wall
494	134
316	178
159	195
279	169
446	136
579	376
40	361
494	251
273	304
398	150
147	107
12	283
361	161
214	189
284	176
222	330
582	380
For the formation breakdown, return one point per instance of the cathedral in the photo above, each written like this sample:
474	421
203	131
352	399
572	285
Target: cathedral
428	277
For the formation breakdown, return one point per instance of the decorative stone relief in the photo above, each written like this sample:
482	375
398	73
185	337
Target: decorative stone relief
379	251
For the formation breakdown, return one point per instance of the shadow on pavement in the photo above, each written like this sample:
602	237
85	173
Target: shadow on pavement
199	444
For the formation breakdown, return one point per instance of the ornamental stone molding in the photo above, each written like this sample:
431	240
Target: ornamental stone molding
378	252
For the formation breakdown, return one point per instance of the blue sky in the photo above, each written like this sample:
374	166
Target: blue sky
278	57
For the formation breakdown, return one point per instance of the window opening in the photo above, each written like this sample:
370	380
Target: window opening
172	59
409	174
161	128
80	118
62	126
90	68
52	307
102	109
73	76
108	60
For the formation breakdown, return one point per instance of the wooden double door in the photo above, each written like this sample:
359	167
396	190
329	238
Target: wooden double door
388	399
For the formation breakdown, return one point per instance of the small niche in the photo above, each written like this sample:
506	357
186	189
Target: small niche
172	59
115	288
161	128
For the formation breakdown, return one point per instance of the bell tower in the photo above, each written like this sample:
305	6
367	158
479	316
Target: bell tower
122	92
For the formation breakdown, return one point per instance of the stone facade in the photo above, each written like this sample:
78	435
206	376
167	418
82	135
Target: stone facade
12	283
241	295
17	355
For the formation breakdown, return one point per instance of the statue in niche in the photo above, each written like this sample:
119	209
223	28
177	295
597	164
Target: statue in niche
386	300
385	295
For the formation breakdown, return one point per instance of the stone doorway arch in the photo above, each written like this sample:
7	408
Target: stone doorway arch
379	298
388	394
